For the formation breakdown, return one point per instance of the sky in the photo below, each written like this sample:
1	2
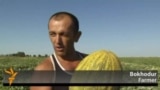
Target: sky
126	27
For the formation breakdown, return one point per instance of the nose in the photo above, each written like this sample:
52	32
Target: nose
58	39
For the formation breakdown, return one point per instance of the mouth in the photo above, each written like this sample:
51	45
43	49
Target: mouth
59	48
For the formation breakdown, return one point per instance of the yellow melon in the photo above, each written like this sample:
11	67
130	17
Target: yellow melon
101	60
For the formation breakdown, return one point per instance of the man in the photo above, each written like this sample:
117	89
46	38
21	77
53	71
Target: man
63	32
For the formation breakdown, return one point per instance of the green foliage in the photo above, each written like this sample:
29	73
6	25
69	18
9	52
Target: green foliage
141	63
18	54
17	63
128	63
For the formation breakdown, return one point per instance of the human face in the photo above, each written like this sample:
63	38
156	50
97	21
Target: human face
62	36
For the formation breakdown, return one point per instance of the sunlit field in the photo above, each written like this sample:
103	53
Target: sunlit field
128	63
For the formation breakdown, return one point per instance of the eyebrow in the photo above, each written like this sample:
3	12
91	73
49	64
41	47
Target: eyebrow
51	31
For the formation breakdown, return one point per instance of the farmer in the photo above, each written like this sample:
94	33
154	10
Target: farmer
63	32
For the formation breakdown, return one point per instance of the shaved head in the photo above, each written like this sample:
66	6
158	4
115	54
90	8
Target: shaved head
63	15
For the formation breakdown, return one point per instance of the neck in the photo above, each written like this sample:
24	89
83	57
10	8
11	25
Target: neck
71	56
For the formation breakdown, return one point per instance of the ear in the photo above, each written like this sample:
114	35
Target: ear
77	36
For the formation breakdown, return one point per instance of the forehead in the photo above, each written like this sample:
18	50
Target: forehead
60	21
61	17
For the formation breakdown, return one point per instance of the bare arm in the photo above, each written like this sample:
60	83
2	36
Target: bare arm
45	65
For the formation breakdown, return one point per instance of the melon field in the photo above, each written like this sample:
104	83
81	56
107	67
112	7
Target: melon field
128	63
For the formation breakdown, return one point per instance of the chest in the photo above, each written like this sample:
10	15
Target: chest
69	65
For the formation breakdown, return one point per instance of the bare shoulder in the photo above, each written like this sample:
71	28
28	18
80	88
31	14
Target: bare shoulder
83	54
46	64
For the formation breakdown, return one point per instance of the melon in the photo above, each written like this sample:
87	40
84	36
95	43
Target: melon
101	60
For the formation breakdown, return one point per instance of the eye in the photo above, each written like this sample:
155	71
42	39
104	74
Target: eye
52	34
64	34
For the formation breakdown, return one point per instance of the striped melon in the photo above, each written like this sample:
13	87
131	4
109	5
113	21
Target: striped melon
99	60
